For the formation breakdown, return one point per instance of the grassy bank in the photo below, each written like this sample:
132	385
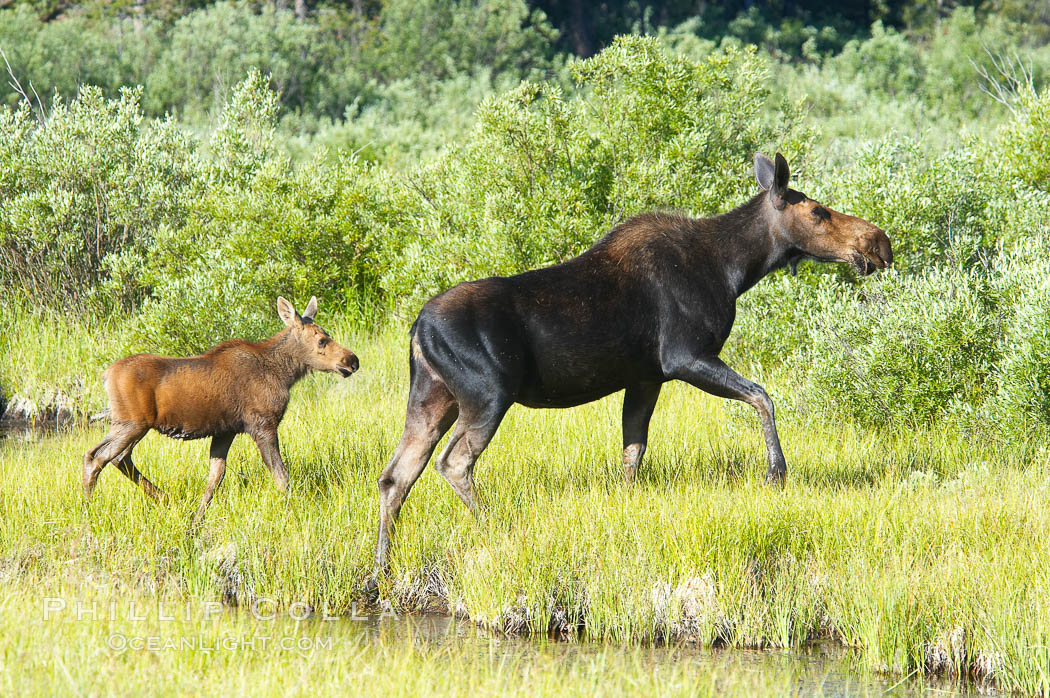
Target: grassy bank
923	550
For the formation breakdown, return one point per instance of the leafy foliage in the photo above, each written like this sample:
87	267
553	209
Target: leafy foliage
543	175
84	194
907	350
368	179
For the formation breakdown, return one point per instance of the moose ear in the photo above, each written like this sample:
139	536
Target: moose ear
287	313
764	171
311	310
781	175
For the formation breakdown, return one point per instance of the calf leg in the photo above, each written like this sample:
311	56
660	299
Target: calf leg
220	447
638	404
125	466
713	376
270	450
431	411
115	446
472	434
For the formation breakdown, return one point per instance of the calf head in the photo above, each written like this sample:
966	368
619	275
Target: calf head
810	230
311	344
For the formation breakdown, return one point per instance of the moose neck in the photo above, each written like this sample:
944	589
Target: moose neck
749	244
280	352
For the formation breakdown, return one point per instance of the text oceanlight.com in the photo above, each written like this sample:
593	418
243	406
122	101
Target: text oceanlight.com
119	642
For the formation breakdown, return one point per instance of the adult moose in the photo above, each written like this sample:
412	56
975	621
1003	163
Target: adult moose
237	387
652	301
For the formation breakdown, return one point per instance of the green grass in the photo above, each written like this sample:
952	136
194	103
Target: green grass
923	551
44	352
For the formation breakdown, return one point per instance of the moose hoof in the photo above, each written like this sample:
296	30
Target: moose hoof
776	478
370	588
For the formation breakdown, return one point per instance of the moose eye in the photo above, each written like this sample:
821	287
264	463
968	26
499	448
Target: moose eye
820	213
322	342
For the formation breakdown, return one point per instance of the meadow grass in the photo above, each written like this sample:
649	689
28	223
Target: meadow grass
924	551
44	352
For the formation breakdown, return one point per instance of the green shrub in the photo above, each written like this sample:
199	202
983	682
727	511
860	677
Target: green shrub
319	230
950	79
325	64
443	38
771	334
1023	376
265	228
243	141
928	87
83	194
60	56
399	124
212	301
904	350
885	64
935	209
209	51
542	175
1024	149
790	39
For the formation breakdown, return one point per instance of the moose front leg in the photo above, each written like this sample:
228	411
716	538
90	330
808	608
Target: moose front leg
270	450
712	376
639	401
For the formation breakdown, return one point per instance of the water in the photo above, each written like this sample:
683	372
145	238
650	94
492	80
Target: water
825	669
12	431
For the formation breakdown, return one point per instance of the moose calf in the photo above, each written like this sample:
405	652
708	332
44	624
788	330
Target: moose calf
237	387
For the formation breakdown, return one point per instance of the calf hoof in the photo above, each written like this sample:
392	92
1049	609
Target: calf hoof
88	477
776	478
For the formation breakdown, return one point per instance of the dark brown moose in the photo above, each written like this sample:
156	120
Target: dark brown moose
652	301
237	387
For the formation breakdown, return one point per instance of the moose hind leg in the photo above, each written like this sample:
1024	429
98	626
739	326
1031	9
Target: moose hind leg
126	466
638	404
92	466
470	437
431	411
220	447
118	443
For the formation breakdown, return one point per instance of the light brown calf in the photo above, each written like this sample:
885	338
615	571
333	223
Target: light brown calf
237	387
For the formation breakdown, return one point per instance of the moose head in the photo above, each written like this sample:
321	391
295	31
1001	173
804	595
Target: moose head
810	230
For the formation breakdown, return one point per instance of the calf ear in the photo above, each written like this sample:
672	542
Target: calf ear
764	171
287	313
311	310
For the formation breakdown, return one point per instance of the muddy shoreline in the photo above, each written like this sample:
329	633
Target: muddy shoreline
55	410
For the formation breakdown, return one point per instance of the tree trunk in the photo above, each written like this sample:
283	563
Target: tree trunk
581	31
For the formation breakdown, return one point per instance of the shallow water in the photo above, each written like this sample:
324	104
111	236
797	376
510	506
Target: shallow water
825	669
13	431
